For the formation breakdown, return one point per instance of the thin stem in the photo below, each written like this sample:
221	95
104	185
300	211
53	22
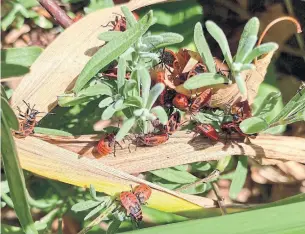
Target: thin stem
57	13
219	198
7	200
99	219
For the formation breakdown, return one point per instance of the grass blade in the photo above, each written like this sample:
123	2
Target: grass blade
14	176
203	48
239	177
9	115
112	50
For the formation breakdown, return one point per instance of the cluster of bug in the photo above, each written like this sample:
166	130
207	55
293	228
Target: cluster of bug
171	68
132	201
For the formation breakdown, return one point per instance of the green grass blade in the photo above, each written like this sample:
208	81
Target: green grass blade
112	50
250	29
286	219
205	79
14	176
217	33
9	115
203	48
239	178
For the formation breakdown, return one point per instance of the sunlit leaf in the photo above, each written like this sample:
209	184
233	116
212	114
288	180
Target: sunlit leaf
112	50
53	132
144	76
267	105
129	87
68	100
106	102
205	79
250	29
223	163
221	39
42	22
160	113
94	211
203	48
127	125
154	94
134	101
241	84
246	49
253	125
169	174
97	89
161	40
92	192
240	176
201	166
118	105
24	56
84	205
130	19
109	35
260	50
121	73
108	112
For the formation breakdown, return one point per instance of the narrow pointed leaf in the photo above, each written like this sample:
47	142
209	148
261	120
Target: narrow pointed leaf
160	113
172	175
250	29
108	112
154	94
53	132
135	101
112	50
145	79
221	39
106	102
240	176
253	125
85	205
3	93
205	79
129	87
267	105
203	48
15	178
97	89
127	125
9	115
241	84
114	226
109	35
260	50
71	100
118	105
94	211
93	192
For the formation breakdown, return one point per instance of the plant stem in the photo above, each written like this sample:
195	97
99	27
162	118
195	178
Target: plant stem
57	13
219	198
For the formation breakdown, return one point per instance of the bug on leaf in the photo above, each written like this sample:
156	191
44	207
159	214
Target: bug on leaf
208	130
181	101
231	127
201	100
132	205
27	121
173	123
151	139
142	192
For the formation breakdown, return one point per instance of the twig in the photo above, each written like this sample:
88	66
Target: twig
219	198
57	13
212	176
99	219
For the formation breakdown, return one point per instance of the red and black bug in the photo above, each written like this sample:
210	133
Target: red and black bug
151	139
208	130
132	205
201	100
173	123
27	121
143	193
106	145
230	127
197	69
181	101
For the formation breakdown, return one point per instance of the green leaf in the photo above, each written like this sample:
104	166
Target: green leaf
130	19
250	29
134	101
84	205
246	49
241	84
203	48
121	73
14	176
160	113
217	33
154	94
260	50
68	100
118	105
161	40
286	219
240	176
112	50
24	56
9	115
109	35
3	93
205	79
253	125
129	87
127	125
11	70
4	187
94	211
108	112
93	192
50	131
106	102
145	79
223	163
176	176
97	89
42	22
201	166
248	66
113	226
267	104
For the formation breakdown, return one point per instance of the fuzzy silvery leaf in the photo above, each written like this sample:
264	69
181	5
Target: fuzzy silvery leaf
106	102
160	114
246	49
108	112
205	79
84	205
109	35
127	125
121	73
260	50
154	93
